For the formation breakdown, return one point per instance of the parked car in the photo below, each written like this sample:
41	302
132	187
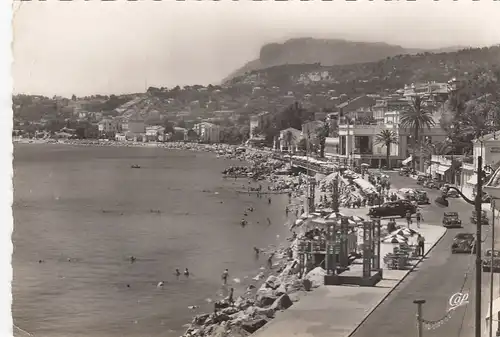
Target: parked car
421	197
451	220
421	179
393	208
491	256
430	184
404	171
464	243
484	218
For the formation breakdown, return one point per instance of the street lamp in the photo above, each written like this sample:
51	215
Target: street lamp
477	202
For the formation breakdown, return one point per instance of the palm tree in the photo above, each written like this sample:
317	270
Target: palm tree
322	132
416	118
387	138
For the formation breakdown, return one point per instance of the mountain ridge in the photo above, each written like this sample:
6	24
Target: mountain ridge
327	52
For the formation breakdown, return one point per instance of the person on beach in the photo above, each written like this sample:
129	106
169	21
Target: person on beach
270	261
225	275
408	218
186	272
230	297
286	211
420	245
419	217
256	251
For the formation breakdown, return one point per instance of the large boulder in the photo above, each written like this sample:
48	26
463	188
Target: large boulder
264	297
229	310
219	331
316	276
253	325
267	312
280	290
282	303
272	282
200	319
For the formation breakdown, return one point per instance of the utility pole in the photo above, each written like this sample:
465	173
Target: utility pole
420	328
491	270
478	204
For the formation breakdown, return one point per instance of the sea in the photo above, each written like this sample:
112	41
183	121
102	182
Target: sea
81	212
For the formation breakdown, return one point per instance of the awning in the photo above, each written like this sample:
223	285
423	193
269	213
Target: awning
407	160
472	180
441	169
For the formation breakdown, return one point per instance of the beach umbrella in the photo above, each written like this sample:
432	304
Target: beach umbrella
395	239
365	165
404	232
398	237
335	216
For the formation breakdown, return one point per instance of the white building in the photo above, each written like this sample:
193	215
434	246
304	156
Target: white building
107	126
208	132
257	122
155	133
289	139
357	143
488	147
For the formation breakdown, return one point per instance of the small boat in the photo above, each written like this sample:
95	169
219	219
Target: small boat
135	166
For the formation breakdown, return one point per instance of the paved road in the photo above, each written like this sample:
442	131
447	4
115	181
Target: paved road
434	280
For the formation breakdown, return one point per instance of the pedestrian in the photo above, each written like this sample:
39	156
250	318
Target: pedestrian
408	218
419	217
270	261
421	244
225	275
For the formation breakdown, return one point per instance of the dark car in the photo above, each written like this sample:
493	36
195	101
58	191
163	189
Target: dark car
484	218
421	179
491	256
452	194
464	243
421	197
393	208
451	220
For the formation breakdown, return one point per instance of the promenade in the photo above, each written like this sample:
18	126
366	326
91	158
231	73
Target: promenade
388	309
336	311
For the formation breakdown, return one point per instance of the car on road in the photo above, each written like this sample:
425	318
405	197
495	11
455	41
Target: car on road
452	194
393	208
421	179
489	257
421	197
463	243
484	218
451	220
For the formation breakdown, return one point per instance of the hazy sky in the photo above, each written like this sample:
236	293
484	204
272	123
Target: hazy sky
117	47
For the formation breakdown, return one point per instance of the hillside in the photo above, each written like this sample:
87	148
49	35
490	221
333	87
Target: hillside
326	52
389	73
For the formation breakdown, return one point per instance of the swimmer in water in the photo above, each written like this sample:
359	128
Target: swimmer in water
132	259
160	284
177	272
256	250
224	276
269	222
269	200
186	272
243	222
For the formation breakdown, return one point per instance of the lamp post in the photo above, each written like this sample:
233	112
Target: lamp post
442	201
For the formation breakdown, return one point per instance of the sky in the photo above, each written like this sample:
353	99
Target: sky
95	47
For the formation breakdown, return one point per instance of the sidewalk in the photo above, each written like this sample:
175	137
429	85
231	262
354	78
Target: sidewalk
337	311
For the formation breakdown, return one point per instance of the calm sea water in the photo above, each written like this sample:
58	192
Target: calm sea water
86	204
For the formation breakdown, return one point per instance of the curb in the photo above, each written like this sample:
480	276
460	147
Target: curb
397	285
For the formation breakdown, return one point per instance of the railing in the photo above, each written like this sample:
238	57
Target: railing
313	166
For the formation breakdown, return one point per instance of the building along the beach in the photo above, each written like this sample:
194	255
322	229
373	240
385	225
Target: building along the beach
155	133
289	139
257	121
208	132
107	126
